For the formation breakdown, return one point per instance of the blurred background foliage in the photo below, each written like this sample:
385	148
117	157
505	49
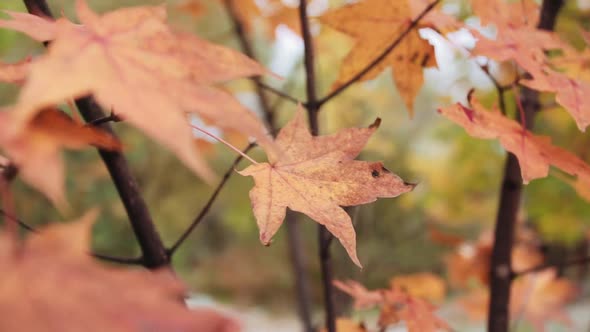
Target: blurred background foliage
459	177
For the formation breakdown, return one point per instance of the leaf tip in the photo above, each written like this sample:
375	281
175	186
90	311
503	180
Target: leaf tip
410	185
375	124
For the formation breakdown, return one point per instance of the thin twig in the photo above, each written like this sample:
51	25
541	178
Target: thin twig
109	118
279	93
120	260
381	56
571	262
209	203
18	221
152	248
249	51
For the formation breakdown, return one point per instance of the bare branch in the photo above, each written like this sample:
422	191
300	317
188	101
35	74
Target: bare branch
209	203
568	263
279	93
151	245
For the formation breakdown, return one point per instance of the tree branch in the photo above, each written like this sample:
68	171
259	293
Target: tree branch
501	261
240	33
152	248
571	262
279	93
313	105
209	203
381	57
18	221
120	260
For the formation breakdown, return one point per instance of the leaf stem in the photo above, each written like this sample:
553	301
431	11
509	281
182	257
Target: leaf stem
210	202
226	143
381	56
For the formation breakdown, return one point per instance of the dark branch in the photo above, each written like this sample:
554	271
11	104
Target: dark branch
313	106
381	57
279	93
501	260
119	260
105	119
247	48
18	221
208	205
151	245
571	262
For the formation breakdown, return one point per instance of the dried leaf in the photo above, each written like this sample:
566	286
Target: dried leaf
375	24
541	297
535	153
317	175
396	305
132	62
95	297
423	285
572	94
504	14
347	325
36	149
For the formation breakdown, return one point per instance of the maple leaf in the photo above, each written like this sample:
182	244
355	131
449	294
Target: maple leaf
535	153
424	285
396	305
572	94
132	62
375	24
504	14
541	297
317	175
36	149
94	297
472	260
347	325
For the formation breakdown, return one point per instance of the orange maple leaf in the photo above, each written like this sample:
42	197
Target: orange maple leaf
396	305
375	24
539	297
94	297
504	14
535	153
317	175
132	62
571	93
424	285
36	149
